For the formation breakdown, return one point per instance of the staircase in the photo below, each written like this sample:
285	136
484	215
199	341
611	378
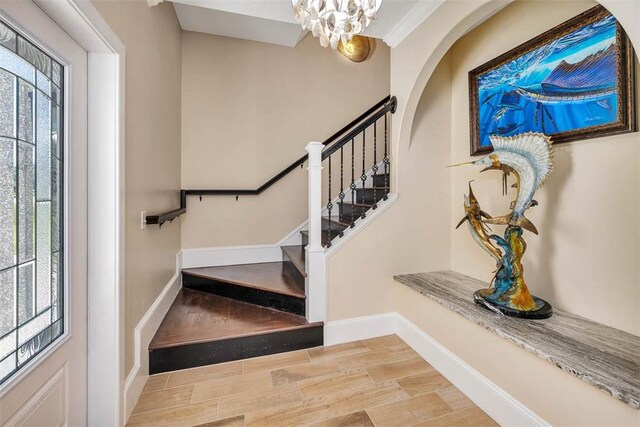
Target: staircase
235	312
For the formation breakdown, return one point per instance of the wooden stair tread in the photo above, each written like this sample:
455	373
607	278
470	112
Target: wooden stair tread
360	205
196	317
267	276
296	255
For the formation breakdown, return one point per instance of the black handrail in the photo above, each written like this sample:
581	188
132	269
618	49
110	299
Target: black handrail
389	103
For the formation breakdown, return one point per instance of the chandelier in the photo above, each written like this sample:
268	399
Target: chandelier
335	20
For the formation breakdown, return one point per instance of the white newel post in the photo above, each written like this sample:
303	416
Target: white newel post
315	261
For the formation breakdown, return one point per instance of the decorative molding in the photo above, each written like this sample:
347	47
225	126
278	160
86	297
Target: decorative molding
411	21
493	400
58	382
143	334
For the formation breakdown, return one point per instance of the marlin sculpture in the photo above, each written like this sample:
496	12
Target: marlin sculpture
528	157
478	229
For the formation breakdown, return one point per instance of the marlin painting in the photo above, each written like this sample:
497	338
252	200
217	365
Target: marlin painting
560	83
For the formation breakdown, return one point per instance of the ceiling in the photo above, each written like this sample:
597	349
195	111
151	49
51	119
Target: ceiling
273	21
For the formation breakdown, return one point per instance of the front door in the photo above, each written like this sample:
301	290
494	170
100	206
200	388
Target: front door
43	221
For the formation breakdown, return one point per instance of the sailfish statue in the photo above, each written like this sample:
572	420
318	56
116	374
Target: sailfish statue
528	157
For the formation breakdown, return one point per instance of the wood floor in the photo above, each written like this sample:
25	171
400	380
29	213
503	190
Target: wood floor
376	382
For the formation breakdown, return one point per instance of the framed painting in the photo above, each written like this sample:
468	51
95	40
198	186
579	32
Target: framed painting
575	81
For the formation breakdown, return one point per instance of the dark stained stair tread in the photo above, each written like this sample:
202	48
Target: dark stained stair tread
326	237
269	276
370	195
358	205
196	317
295	254
203	329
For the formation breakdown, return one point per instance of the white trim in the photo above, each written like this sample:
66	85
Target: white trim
236	255
411	21
105	190
230	255
143	334
360	328
493	400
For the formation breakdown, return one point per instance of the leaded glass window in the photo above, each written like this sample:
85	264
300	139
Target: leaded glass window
31	285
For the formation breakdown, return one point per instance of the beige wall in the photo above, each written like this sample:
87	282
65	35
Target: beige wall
413	235
416	234
151	37
585	259
248	110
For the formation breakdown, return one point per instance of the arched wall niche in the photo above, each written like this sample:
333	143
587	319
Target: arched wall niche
415	59
589	238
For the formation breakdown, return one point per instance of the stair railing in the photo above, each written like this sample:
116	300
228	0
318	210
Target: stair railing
169	216
354	145
367	152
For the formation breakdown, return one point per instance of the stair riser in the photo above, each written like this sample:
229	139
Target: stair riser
325	237
347	211
379	181
286	303
291	268
194	355
366	196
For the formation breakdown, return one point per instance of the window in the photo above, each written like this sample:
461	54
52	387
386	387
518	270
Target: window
31	252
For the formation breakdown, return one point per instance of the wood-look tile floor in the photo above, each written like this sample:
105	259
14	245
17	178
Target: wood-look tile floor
377	382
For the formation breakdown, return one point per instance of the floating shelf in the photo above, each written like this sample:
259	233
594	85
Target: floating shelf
605	357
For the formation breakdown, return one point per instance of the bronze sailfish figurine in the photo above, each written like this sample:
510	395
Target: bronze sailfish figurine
474	215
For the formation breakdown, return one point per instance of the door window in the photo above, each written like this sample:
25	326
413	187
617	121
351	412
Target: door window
31	209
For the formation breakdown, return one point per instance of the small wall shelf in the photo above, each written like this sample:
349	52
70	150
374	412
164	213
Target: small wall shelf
605	357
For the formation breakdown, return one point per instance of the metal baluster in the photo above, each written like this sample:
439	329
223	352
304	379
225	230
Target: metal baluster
375	163
353	183
329	206
386	162
341	195
363	177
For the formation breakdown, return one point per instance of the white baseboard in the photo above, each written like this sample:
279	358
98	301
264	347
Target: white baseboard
360	328
143	334
493	400
235	255
232	255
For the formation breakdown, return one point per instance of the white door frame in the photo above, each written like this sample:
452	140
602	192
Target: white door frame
105	191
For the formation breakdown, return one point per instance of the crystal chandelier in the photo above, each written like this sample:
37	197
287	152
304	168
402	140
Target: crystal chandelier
335	20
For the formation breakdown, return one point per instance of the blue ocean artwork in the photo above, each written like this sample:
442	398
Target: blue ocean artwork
567	84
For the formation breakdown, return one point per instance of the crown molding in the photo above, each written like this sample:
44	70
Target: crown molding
411	21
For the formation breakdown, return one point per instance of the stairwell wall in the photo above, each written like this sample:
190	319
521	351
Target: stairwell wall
248	111
151	37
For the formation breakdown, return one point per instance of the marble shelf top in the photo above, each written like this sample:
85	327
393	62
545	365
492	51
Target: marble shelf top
605	357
